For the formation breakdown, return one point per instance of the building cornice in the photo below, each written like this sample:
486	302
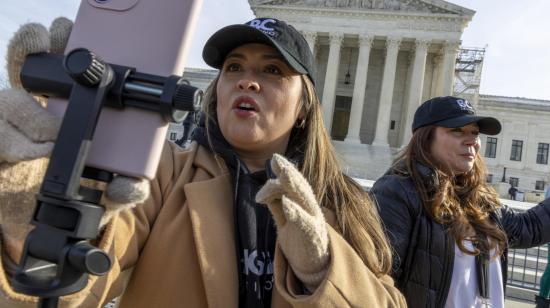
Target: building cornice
350	12
400	20
202	73
507	102
451	6
515	99
409	6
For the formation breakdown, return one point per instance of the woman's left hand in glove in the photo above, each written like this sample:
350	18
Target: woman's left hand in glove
301	228
27	136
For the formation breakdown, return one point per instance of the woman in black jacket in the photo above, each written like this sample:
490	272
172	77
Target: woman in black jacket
448	230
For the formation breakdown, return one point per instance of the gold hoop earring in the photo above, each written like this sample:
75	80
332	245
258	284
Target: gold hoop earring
301	124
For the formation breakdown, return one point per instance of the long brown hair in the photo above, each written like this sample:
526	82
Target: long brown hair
462	202
357	218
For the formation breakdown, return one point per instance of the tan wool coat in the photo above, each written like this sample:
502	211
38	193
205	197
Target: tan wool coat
177	250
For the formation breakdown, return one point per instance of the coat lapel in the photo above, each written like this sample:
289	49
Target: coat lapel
211	210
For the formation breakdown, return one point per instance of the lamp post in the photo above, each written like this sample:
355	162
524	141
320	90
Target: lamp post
347	79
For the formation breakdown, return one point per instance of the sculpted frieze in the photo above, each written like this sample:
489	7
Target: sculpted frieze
388	5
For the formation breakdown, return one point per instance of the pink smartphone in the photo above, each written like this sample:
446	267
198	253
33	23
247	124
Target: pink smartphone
152	36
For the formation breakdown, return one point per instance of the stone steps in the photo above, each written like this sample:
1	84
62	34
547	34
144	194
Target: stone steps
541	251
527	276
525	269
364	160
521	293
529	262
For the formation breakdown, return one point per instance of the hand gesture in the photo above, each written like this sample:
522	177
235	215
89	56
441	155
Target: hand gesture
301	228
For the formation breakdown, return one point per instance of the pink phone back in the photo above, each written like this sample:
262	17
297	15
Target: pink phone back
151	35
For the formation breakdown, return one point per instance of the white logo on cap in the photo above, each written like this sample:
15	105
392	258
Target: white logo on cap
464	104
263	25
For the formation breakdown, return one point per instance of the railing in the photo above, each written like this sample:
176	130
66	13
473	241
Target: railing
526	266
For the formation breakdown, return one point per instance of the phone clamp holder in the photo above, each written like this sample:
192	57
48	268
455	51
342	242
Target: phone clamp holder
57	255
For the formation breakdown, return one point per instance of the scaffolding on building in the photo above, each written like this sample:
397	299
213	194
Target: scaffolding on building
469	64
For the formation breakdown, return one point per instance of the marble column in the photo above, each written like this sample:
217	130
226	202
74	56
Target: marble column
435	86
403	118
386	93
311	38
359	88
450	50
415	87
331	78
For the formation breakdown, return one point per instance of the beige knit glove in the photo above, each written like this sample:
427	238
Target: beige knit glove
301	228
28	133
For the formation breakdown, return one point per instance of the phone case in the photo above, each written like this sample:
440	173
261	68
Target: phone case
154	37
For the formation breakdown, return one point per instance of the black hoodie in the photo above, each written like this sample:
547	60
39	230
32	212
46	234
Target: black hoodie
255	230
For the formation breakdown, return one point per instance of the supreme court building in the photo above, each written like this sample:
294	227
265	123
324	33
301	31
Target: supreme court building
376	61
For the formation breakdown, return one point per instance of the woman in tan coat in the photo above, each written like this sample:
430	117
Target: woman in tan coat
256	213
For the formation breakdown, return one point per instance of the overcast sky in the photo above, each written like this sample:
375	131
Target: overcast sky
516	33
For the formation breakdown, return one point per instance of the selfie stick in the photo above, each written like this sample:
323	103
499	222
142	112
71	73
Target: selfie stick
57	256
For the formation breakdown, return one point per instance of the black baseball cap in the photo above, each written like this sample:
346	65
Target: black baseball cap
270	31
452	112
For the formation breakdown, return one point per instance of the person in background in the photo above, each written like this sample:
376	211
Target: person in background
189	124
256	212
449	232
512	191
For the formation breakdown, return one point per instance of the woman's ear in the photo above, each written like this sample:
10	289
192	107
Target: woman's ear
301	119
302	113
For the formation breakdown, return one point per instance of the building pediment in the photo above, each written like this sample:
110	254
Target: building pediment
421	6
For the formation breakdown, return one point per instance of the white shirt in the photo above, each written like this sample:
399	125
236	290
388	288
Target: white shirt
463	292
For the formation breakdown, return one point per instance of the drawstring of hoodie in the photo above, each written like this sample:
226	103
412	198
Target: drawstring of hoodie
238	245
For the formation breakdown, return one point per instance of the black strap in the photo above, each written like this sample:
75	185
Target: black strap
483	259
482	271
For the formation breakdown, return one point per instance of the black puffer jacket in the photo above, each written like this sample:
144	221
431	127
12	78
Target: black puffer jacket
424	252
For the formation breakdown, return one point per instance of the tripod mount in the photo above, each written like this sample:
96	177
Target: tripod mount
57	255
